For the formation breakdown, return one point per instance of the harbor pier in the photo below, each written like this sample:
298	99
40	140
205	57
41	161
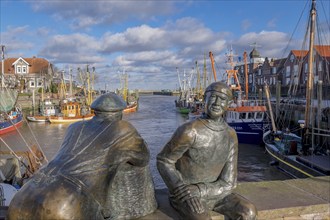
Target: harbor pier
294	199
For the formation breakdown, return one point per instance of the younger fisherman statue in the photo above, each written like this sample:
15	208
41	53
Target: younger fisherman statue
199	163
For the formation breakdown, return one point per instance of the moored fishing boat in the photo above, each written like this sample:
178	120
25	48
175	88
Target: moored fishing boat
132	100
304	152
10	121
185	100
131	108
11	117
71	111
46	108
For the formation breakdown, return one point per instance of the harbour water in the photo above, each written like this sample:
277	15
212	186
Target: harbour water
156	120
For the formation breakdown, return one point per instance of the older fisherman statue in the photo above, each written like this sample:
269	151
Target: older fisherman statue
199	163
100	172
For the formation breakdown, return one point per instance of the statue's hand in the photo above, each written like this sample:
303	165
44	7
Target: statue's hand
195	205
191	195
185	192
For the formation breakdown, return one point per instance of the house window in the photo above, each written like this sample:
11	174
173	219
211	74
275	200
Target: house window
23	69
287	72
32	83
39	82
18	69
295	80
295	70
287	81
274	70
259	72
320	66
306	67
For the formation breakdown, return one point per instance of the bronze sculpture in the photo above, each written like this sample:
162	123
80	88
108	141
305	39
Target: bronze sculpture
100	172
199	163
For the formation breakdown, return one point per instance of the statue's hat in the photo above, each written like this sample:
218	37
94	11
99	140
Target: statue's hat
109	102
220	87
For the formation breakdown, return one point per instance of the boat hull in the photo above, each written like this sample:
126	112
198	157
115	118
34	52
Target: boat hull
290	164
132	108
183	110
9	126
59	119
37	118
249	132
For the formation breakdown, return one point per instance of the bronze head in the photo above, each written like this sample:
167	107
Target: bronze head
217	97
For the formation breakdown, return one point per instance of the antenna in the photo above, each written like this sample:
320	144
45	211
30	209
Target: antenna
255	45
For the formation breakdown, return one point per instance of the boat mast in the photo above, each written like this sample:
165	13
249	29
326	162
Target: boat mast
232	73
246	76
270	107
204	72
2	66
213	68
310	79
199	85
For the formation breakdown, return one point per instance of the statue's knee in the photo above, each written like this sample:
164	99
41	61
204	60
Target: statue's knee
250	212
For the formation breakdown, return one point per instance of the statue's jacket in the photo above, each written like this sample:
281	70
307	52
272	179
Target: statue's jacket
204	153
102	167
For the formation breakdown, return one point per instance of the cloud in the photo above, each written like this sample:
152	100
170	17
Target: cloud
272	23
74	48
16	40
84	14
271	43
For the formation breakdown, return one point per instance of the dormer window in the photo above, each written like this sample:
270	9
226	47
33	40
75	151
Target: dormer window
21	66
291	58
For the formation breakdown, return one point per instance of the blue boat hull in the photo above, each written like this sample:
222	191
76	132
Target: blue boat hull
8	126
249	132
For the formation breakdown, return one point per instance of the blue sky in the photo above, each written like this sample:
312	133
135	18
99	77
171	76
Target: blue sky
150	39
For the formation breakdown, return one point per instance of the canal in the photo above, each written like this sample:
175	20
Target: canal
156	120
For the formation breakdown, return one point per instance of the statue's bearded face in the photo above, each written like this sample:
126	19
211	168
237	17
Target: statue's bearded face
216	104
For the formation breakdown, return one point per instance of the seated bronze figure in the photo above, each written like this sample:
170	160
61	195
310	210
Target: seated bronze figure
100	172
199	163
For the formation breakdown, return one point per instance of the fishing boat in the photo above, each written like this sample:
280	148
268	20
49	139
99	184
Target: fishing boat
186	97
303	152
132	107
71	111
10	121
132	100
246	115
46	108
11	117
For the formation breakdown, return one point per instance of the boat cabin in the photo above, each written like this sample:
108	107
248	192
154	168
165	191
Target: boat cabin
71	109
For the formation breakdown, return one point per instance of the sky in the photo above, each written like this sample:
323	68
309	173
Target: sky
152	40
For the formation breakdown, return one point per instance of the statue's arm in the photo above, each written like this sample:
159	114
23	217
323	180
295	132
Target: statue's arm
227	180
180	142
127	146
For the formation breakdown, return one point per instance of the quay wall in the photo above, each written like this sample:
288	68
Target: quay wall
294	199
